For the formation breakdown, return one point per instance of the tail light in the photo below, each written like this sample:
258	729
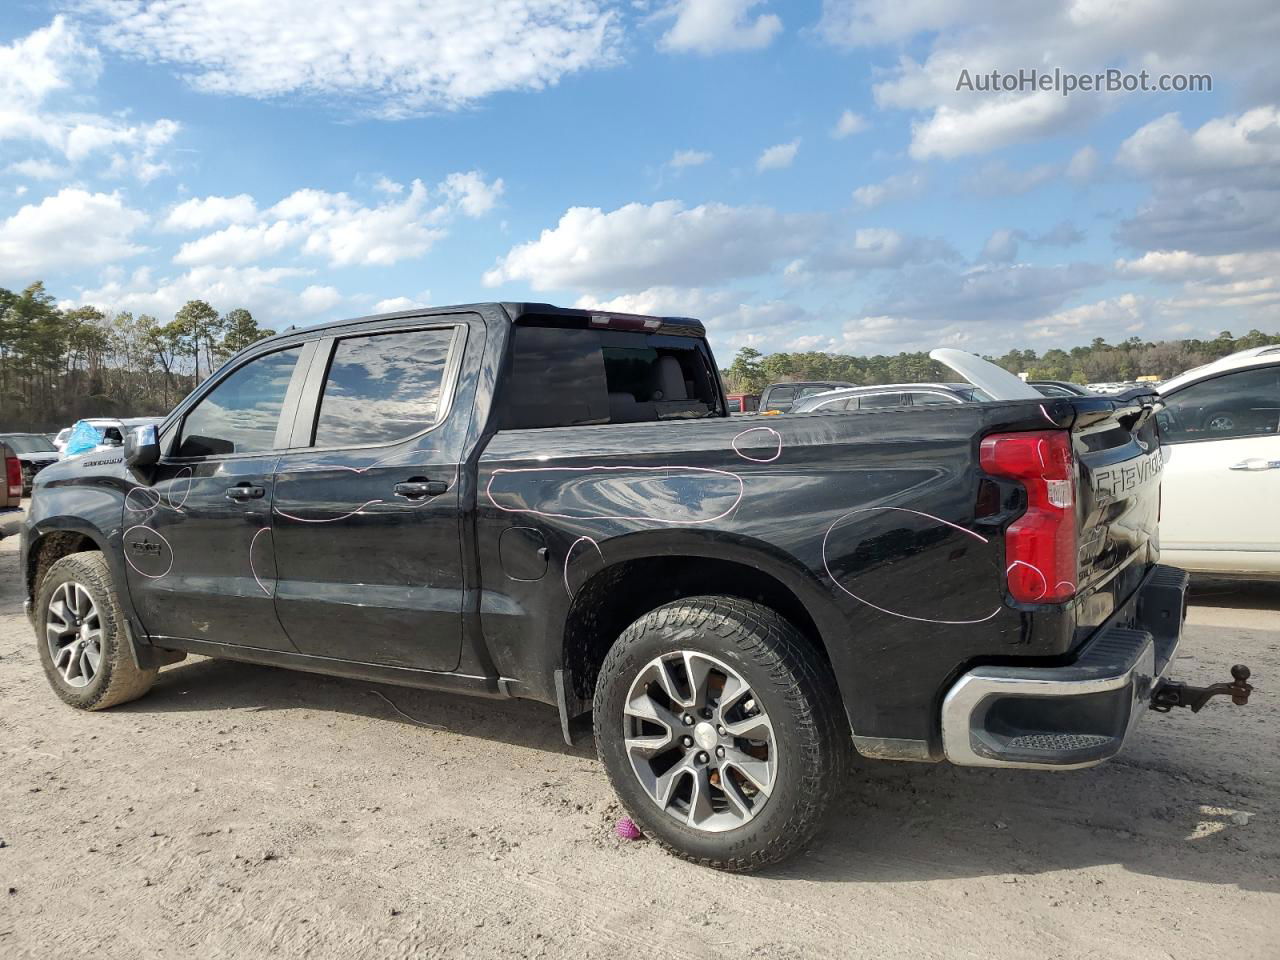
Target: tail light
1040	546
13	474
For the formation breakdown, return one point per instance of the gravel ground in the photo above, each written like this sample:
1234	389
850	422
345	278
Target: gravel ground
243	811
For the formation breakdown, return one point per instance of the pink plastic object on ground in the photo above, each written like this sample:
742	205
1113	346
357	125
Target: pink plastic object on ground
628	830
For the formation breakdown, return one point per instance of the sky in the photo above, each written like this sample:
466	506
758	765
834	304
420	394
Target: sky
827	175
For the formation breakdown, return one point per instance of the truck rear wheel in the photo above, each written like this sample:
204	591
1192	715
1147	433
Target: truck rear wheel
721	731
79	636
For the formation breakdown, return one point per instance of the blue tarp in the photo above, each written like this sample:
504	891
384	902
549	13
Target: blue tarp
84	437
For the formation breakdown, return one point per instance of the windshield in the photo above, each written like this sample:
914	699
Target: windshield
30	445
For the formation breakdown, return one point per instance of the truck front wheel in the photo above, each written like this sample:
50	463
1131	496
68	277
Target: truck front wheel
721	730
79	636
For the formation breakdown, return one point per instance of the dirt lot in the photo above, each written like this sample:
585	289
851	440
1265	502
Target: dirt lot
251	812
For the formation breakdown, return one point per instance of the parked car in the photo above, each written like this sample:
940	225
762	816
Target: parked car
891	395
111	430
34	451
779	397
742	402
517	500
1220	429
10	480
1060	388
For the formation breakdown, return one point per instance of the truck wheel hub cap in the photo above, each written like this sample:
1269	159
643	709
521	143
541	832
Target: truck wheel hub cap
73	631
699	742
705	736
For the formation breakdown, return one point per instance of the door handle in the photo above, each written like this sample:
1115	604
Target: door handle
245	491
419	488
1256	463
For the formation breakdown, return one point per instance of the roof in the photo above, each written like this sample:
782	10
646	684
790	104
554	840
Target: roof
1253	357
514	312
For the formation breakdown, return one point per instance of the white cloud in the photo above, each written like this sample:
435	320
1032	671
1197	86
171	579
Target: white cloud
899	186
644	245
53	64
986	293
688	158
239	243
393	304
319	299
395	58
388	186
332	226
71	228
1249	140
38	169
778	157
849	124
1126	313
1233	41
472	195
716	26
1001	246
200	213
1083	165
1230	281
262	290
951	132
1183	266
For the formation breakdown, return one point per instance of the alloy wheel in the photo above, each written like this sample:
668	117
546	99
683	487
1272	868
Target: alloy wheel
74	633
699	741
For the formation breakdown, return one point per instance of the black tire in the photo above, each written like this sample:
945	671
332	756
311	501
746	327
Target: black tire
118	678
794	686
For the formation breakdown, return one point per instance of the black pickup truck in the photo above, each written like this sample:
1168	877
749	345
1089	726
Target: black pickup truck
518	500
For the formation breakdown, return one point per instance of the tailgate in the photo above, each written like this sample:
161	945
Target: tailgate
1117	448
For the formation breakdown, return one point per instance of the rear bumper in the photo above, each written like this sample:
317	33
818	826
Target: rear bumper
1073	716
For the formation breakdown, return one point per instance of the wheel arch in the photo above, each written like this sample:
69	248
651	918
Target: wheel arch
52	541
643	571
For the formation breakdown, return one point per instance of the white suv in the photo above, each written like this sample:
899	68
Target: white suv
1220	433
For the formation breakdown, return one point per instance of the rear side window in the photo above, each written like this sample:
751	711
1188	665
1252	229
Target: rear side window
782	394
383	388
813	390
241	413
563	377
839	403
873	400
1241	404
924	399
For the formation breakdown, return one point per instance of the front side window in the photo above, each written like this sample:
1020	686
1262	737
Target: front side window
383	388
241	413
1241	404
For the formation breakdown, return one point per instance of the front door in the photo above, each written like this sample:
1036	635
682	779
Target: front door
366	519
197	539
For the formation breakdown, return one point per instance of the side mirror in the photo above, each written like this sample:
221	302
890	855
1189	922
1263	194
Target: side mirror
142	446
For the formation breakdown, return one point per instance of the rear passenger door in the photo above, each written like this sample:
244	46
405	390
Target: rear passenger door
367	527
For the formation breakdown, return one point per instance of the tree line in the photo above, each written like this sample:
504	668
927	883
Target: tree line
1099	362
58	365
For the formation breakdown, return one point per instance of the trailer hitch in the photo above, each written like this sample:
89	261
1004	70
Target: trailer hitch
1171	693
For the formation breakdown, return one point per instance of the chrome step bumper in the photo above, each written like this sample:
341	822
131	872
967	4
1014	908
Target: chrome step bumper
1073	716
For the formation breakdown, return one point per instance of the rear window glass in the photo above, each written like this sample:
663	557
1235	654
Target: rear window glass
383	388
564	377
